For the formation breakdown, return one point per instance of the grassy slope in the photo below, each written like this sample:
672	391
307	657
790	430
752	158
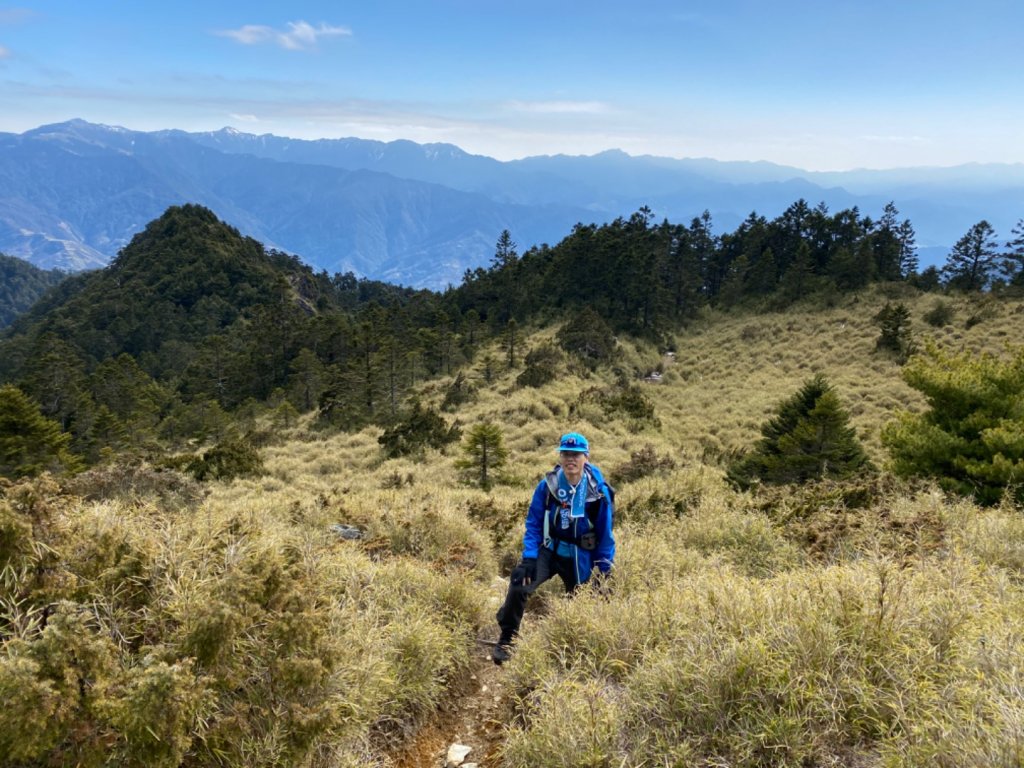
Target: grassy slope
740	633
729	372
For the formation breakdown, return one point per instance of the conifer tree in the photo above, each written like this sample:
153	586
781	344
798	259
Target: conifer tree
808	438
512	341
763	277
896	337
307	381
908	249
484	453
799	279
1013	259
30	443
971	264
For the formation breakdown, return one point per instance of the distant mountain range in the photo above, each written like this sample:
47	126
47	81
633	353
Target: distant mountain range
74	193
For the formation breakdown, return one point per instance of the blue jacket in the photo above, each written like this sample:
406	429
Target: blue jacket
600	501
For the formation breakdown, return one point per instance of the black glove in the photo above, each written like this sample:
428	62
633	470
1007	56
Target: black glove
524	573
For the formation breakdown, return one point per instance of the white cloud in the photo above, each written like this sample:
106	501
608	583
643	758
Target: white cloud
299	35
560	107
244	118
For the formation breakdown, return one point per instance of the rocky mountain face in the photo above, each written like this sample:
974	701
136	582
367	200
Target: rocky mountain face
73	194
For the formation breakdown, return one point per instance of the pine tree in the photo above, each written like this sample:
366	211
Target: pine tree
1013	259
307	381
799	279
30	443
512	342
485	452
896	337
971	264
908	249
808	438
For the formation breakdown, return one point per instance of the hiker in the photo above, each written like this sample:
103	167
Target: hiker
568	533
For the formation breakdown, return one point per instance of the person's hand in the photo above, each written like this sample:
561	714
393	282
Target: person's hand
524	573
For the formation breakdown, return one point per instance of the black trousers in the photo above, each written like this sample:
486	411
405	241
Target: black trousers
510	615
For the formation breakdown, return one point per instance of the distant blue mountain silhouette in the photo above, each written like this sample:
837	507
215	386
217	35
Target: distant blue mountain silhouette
72	194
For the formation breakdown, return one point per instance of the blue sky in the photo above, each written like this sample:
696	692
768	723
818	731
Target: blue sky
819	85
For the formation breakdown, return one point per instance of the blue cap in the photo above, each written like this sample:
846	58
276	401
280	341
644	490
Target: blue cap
574	441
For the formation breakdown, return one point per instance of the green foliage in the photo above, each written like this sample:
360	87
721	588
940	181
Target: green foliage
228	459
419	429
624	400
896	336
940	314
459	393
587	336
1013	257
971	439
484	453
21	285
543	364
29	442
808	438
974	259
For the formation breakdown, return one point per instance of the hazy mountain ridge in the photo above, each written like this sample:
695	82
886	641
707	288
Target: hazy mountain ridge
74	193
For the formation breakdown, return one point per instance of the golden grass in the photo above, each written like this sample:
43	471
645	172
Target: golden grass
740	630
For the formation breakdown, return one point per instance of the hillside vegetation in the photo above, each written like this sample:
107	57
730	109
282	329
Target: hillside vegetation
281	551
21	286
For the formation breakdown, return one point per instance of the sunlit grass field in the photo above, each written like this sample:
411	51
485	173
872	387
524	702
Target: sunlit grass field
877	624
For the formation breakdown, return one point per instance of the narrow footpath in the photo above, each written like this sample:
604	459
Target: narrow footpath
475	717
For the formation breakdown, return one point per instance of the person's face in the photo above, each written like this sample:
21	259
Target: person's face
572	464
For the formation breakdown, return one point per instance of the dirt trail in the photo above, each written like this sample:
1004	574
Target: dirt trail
474	716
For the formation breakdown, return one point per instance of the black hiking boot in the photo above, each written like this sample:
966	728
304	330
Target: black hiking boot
501	654
502	651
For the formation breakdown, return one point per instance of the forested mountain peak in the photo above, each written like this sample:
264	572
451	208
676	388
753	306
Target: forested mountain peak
186	276
188	254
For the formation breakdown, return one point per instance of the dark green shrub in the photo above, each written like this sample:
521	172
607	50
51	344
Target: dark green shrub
940	314
624	400
642	463
460	392
421	428
133	482
226	460
542	366
587	336
971	439
630	401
